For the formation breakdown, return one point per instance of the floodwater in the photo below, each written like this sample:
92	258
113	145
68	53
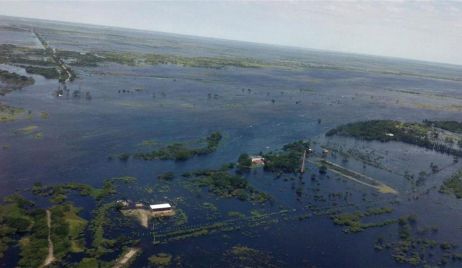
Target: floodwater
172	104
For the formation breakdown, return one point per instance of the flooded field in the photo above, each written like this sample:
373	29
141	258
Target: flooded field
139	92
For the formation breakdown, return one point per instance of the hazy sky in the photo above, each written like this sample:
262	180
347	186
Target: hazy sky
429	31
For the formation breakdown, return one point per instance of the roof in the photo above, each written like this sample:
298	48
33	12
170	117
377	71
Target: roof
160	206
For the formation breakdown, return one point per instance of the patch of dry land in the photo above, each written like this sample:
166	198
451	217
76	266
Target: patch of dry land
144	215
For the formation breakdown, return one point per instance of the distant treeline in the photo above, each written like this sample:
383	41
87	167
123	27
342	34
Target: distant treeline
420	134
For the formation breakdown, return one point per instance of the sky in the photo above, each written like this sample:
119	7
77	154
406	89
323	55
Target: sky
423	30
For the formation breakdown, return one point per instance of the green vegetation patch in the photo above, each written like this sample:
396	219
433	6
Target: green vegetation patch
420	134
452	126
202	62
414	248
48	73
242	256
67	230
34	246
9	113
453	185
352	221
101	245
160	260
13	81
14	219
224	184
180	151
57	193
288	160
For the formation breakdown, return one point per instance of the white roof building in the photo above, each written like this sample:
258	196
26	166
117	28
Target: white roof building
163	206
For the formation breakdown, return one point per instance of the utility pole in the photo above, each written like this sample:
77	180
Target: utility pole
302	169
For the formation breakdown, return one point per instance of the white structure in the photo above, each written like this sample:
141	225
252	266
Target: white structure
160	207
257	160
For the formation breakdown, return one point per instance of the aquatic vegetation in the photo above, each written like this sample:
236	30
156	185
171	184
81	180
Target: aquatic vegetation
180	151
58	192
410	249
167	176
242	256
353	223
48	73
160	259
9	113
209	206
91	263
236	214
420	134
453	185
180	217
29	130
288	160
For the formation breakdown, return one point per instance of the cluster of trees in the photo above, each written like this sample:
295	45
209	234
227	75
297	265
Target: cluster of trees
225	184
14	81
34	246
48	73
452	126
14	220
389	130
80	59
288	159
352	221
453	185
57	193
244	162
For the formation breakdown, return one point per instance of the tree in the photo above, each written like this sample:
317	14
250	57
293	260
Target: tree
244	161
